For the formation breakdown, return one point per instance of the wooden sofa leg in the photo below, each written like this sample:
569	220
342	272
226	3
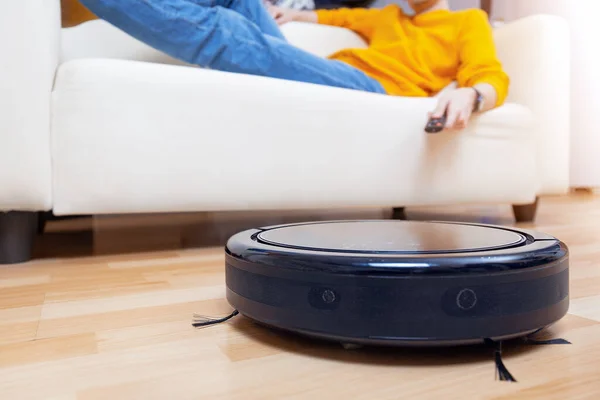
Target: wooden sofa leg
398	213
17	236
525	212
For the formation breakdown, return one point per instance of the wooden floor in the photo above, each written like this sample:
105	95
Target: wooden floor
104	312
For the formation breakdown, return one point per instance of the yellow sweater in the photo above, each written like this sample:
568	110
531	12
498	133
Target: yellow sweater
420	55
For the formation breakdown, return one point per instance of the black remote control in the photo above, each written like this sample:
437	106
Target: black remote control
436	125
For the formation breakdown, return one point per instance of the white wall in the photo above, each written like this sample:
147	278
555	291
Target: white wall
585	93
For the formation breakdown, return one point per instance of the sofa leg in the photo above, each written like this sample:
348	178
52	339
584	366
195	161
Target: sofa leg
398	213
17	236
41	222
525	212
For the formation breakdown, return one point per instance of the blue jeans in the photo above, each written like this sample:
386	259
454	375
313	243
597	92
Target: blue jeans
228	35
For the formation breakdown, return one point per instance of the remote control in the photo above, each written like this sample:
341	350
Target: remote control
436	125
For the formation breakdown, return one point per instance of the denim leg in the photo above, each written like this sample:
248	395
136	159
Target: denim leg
222	39
254	10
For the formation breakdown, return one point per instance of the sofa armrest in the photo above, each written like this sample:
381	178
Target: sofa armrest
535	52
29	44
321	40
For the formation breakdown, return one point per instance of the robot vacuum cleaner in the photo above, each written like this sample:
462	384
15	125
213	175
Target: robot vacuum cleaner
399	282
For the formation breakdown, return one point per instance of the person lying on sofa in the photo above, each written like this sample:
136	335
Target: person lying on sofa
407	55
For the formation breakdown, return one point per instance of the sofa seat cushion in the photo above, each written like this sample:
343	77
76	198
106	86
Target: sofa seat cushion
130	136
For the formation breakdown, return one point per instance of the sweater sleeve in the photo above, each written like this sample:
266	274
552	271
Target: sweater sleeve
478	60
359	20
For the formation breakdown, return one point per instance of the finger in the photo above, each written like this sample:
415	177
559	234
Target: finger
460	122
452	116
440	109
463	119
276	13
458	125
283	20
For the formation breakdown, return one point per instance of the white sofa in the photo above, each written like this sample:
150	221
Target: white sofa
94	122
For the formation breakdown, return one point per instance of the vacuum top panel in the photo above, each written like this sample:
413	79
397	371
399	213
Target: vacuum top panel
389	237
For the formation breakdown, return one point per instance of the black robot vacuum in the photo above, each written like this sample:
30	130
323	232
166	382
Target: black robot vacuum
399	282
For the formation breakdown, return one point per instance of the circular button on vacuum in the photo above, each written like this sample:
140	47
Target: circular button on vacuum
323	298
466	299
328	296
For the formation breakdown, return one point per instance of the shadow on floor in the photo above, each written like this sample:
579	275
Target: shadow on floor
125	234
289	342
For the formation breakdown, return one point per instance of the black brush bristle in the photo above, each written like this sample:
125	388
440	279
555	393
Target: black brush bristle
502	372
549	341
529	339
201	320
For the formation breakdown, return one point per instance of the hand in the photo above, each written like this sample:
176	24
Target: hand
459	106
284	15
281	15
